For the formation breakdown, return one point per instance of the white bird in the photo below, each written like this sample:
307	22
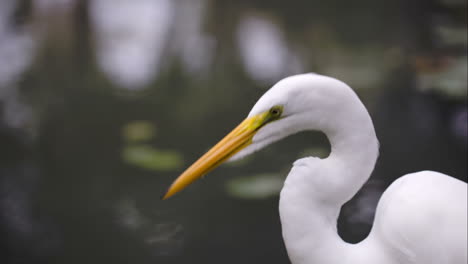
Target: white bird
421	218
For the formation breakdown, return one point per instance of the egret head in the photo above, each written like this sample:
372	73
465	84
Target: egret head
297	103
307	102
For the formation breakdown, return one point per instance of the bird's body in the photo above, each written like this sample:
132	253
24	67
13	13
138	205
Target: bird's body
420	219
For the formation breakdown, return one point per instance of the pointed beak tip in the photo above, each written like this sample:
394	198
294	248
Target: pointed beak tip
166	195
236	140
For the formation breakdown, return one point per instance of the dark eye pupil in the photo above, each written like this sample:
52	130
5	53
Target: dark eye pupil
276	111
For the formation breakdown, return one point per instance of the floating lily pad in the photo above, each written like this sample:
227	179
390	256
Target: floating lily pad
149	158
259	186
137	131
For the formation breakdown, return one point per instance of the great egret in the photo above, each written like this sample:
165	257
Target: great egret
420	219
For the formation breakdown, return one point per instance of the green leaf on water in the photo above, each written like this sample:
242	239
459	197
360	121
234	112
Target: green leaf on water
137	131
147	157
260	186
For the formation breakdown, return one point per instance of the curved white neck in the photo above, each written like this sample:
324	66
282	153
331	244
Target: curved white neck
315	190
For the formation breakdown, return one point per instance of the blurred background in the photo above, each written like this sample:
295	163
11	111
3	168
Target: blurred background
104	102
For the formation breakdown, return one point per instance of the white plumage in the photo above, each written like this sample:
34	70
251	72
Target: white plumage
421	218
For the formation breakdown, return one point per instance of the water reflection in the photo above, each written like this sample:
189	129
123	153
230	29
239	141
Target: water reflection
191	44
17	49
162	238
131	38
264	51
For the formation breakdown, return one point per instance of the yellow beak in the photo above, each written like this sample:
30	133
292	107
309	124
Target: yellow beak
236	140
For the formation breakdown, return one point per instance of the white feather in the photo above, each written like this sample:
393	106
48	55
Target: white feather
420	219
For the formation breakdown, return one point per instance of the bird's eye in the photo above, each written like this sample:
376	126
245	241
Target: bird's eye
276	111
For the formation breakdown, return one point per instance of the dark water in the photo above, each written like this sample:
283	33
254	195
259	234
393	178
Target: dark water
103	104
